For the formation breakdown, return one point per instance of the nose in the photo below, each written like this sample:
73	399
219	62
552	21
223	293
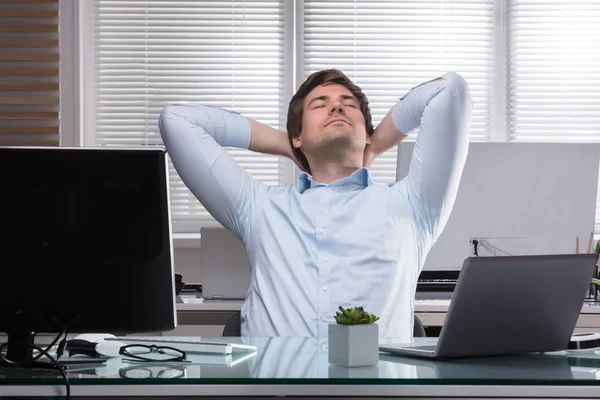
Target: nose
337	107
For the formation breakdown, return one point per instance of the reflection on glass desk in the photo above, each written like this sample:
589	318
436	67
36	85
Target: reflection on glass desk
142	371
303	363
307	358
535	367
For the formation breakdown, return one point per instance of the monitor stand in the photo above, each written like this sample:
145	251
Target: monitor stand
19	346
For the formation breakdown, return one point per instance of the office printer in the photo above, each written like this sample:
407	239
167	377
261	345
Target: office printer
436	285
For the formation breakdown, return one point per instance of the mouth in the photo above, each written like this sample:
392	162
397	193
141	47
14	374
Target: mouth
337	120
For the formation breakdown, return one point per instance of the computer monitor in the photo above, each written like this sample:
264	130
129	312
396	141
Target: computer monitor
85	243
517	198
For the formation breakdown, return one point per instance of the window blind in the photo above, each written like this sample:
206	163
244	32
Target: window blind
387	47
29	73
554	72
151	53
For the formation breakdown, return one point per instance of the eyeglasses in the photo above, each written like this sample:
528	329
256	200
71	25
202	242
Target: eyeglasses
152	353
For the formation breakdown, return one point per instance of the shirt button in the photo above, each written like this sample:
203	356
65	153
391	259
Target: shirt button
325	287
323	318
321	230
324	346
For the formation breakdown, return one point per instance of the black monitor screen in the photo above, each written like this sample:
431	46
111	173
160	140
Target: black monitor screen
85	232
64	205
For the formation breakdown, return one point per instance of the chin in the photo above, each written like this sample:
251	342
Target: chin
342	140
339	131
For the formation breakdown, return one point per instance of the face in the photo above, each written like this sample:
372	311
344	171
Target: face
331	121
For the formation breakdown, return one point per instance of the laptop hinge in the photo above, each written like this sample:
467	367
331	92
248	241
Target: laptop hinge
217	297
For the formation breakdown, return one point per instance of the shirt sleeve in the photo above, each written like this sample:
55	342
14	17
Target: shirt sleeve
195	137
441	111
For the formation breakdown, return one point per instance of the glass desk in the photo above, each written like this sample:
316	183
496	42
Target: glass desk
299	367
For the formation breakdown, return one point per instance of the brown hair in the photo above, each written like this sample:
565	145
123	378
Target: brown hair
296	107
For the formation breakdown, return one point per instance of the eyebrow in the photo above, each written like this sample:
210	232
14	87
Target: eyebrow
343	97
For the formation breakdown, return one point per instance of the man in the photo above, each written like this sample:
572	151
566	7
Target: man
337	239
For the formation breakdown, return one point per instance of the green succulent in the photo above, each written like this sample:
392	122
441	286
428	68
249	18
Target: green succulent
354	316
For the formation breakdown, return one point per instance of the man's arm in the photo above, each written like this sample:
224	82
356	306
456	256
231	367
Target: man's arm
266	139
195	135
385	136
441	110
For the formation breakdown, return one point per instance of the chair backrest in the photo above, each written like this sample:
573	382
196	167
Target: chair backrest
233	327
418	328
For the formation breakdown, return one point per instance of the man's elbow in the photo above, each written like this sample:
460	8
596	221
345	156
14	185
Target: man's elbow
458	85
166	120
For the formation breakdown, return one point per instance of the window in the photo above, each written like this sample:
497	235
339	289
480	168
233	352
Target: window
532	67
387	47
554	72
152	53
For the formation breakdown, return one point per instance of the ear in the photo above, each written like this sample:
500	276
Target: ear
297	142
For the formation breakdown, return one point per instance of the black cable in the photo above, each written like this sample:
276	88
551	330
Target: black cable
36	364
475	244
63	332
39	364
49	347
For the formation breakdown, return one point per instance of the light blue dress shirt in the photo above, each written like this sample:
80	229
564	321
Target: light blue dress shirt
313	247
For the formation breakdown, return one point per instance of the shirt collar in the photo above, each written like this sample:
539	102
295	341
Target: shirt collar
360	177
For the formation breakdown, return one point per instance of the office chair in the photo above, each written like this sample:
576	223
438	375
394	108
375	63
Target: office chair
233	327
418	328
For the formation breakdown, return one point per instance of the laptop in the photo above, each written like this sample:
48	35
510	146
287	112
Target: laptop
225	269
510	305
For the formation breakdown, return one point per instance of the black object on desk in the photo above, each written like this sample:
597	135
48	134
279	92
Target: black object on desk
179	283
192	288
593	292
434	285
437	281
79	346
81	212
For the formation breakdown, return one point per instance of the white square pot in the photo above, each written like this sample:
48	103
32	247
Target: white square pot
353	345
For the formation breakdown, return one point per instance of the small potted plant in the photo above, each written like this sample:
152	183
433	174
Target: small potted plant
354	339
